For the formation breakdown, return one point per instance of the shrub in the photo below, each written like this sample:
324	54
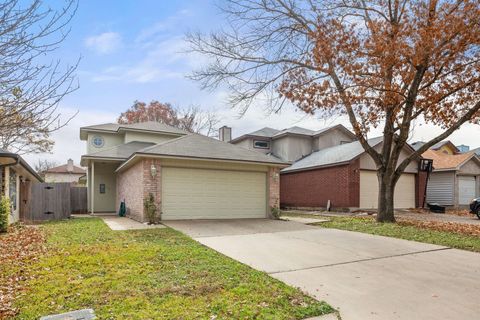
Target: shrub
4	213
275	211
150	209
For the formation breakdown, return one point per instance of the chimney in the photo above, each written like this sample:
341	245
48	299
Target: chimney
225	134
70	165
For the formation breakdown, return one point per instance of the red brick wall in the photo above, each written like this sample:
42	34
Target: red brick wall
420	184
130	189
313	188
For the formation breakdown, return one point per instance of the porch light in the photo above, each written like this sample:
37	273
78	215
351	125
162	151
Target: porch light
153	171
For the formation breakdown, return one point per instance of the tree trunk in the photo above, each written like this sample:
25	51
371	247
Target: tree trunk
385	198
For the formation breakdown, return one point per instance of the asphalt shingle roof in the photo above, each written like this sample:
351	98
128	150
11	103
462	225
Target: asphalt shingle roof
333	155
64	169
147	126
198	146
295	130
264	132
477	151
123	151
443	161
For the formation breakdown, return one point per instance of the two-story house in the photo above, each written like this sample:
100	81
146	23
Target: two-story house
329	167
294	143
190	176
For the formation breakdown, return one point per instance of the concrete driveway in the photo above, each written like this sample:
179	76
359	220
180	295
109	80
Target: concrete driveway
364	276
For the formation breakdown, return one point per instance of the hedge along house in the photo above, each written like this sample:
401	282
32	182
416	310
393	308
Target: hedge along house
16	177
189	175
455	179
346	176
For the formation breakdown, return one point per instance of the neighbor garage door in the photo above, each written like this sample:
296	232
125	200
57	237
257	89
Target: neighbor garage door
212	194
404	190
466	189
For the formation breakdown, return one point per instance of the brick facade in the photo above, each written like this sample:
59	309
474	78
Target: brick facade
273	188
313	188
136	183
130	190
151	184
339	184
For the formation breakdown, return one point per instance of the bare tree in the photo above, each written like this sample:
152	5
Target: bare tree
31	87
379	63
43	165
191	119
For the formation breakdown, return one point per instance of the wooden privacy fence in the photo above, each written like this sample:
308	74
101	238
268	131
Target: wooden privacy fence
54	201
78	200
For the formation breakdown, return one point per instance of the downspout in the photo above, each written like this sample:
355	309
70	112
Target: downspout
93	188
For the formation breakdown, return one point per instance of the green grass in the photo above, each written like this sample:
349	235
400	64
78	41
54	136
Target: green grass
151	274
395	230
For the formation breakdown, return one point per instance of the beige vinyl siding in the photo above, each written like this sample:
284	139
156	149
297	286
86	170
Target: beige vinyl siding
110	140
191	193
440	188
292	148
466	189
404	190
330	139
104	173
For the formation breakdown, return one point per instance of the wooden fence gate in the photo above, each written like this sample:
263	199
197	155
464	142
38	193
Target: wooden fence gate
55	201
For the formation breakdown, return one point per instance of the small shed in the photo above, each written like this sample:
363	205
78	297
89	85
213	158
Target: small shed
455	179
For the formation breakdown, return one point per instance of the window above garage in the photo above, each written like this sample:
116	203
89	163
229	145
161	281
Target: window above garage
261	144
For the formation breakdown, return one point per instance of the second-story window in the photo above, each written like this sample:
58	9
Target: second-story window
98	141
261	144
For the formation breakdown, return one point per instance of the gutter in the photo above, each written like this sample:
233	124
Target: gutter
160	156
19	160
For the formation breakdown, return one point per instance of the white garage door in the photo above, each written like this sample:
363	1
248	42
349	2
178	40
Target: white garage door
466	189
212	194
404	190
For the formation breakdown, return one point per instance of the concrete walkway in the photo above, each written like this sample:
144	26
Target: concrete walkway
122	223
364	276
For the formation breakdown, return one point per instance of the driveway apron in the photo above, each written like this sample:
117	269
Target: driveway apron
364	276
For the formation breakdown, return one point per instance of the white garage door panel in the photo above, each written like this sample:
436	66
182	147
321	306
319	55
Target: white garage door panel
466	189
404	190
212	194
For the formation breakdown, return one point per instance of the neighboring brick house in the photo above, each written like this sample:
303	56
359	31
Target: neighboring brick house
65	173
346	176
330	166
190	176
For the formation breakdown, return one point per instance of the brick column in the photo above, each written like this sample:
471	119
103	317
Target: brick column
151	184
273	188
420	185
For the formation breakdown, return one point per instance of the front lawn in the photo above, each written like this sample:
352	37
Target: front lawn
409	230
150	274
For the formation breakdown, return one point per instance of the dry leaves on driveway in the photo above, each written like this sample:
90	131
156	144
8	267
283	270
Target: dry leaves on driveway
21	246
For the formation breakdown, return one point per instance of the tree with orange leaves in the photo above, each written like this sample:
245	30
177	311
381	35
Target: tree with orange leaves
190	119
381	63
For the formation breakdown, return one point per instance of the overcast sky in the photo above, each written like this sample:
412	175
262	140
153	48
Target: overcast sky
131	50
